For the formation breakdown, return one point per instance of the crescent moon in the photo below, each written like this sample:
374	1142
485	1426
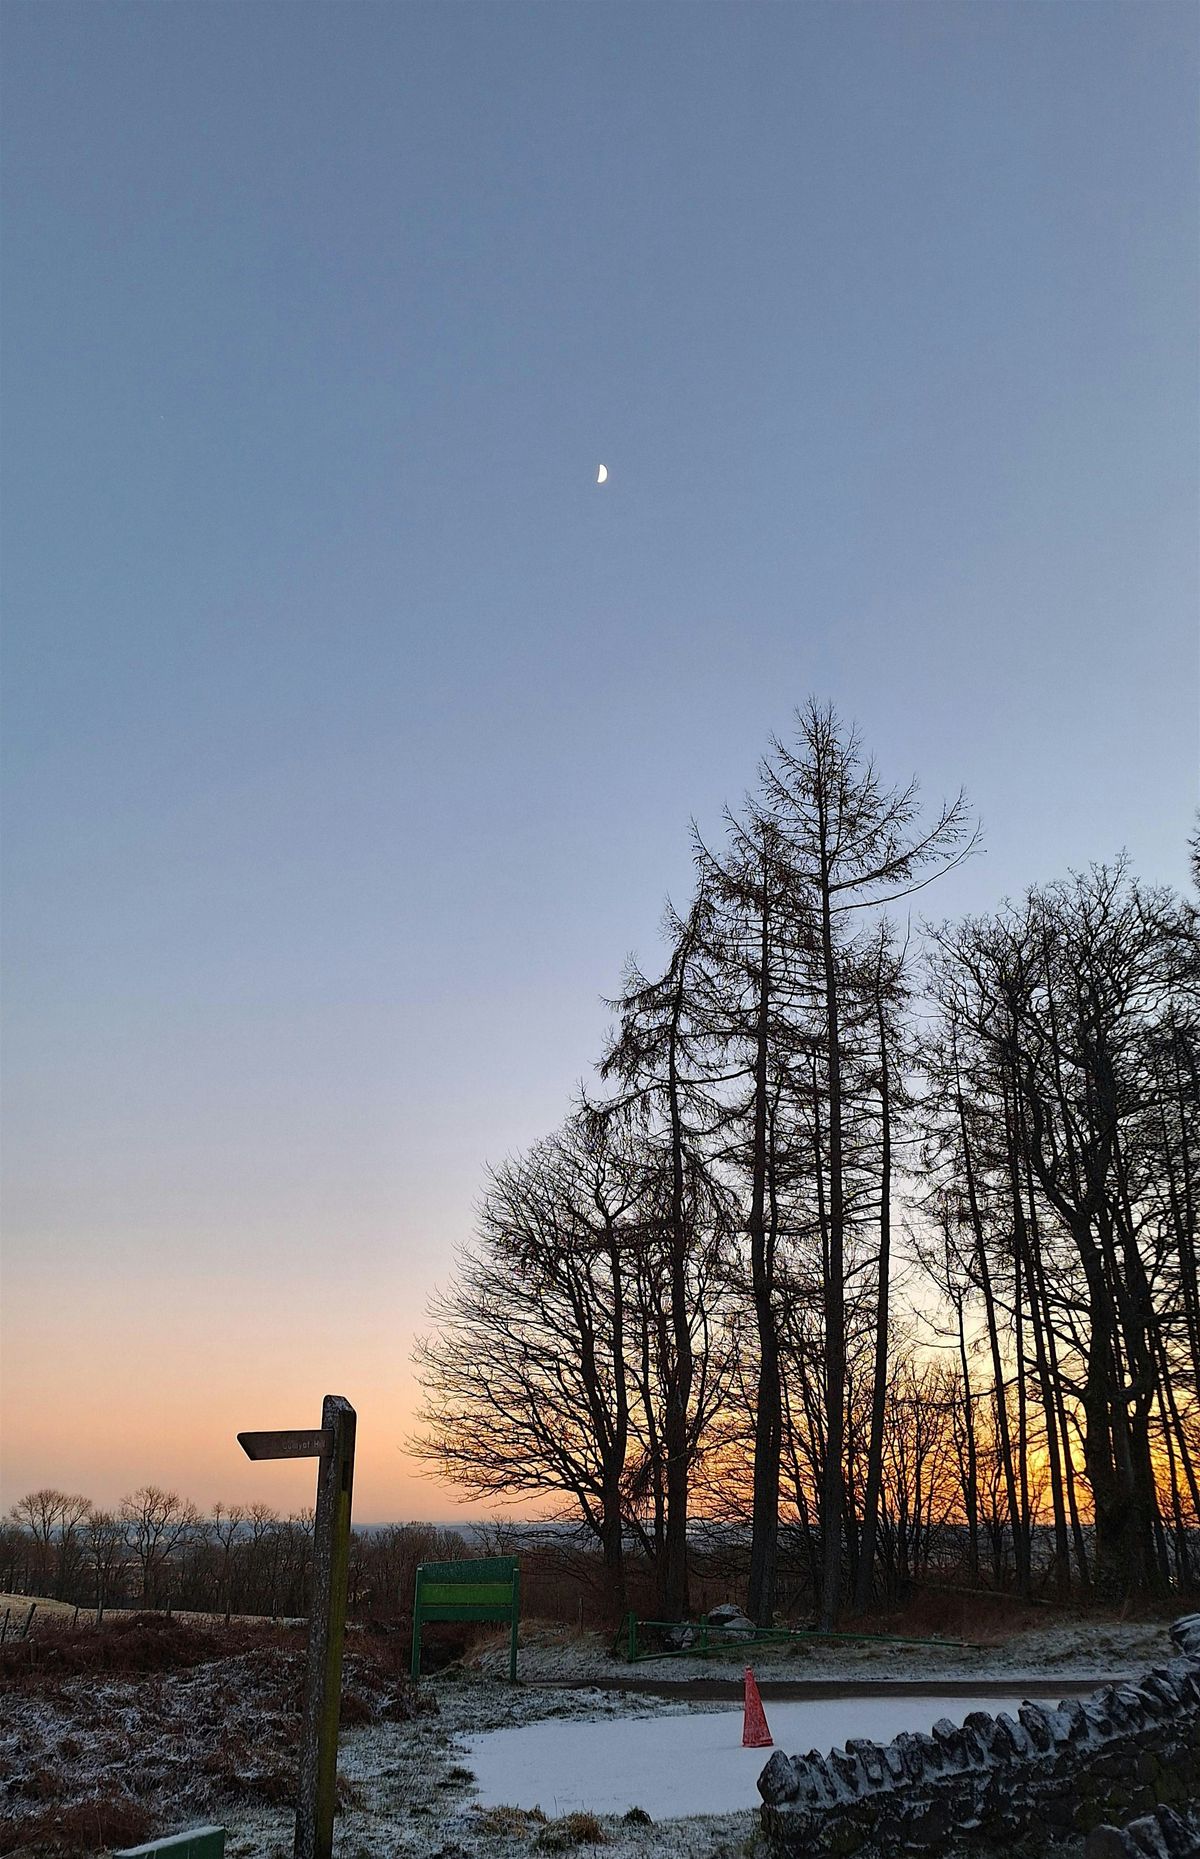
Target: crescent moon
602	475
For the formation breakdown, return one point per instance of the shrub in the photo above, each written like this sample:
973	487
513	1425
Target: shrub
512	1822
559	1836
85	1827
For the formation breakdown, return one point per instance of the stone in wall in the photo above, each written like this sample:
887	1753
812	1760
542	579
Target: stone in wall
1164	1834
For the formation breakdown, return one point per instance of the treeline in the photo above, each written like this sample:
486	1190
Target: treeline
158	1550
865	1238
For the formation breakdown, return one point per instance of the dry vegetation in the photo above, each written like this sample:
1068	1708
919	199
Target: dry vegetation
529	1824
111	1735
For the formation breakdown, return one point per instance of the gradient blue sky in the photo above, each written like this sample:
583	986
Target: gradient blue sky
352	733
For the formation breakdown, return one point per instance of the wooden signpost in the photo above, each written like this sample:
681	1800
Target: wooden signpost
333	1444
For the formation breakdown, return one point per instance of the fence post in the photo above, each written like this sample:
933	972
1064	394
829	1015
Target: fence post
416	1640
512	1641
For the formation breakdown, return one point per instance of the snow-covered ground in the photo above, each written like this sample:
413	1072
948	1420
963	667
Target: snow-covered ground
493	1771
1062	1649
412	1792
675	1766
490	1775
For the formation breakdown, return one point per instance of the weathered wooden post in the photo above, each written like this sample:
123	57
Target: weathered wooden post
334	1445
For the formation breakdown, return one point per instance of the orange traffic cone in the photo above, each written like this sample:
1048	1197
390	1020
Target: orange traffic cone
755	1732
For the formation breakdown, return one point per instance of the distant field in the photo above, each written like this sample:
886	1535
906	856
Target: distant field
21	1603
49	1609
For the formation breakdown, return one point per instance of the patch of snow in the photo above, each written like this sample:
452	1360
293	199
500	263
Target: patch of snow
410	1792
682	1765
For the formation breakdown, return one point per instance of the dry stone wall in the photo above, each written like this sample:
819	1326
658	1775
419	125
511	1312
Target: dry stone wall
1129	1753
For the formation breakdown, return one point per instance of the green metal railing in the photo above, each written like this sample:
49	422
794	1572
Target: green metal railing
708	1640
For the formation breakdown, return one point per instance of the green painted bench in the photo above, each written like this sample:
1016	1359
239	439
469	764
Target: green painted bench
486	1589
196	1843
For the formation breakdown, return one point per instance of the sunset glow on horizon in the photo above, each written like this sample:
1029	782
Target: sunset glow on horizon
168	1421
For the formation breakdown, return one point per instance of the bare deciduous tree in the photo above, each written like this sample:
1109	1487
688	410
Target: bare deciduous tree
156	1523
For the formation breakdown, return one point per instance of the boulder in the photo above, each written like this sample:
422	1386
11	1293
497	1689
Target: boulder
728	1622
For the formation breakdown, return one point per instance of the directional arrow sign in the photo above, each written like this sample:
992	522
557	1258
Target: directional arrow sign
293	1444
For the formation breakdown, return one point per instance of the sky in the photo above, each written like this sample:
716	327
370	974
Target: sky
352	733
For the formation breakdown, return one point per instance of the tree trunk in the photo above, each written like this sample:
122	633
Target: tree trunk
989	1308
864	1586
768	1415
679	1391
1026	1247
833	1484
971	1494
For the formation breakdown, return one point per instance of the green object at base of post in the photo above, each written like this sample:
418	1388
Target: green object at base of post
196	1843
487	1589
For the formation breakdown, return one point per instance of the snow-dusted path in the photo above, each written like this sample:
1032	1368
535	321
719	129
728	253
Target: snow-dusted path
691	1764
